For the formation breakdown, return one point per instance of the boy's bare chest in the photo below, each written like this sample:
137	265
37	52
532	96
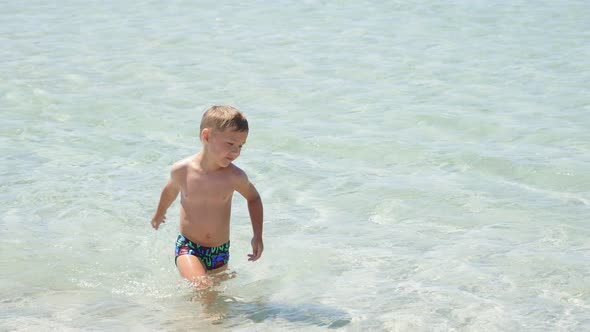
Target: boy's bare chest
208	187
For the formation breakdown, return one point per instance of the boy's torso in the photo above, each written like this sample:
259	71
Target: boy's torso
205	206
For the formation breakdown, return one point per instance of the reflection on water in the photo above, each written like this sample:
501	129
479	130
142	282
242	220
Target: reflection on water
207	282
452	139
222	309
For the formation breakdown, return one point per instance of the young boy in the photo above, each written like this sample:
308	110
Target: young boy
206	182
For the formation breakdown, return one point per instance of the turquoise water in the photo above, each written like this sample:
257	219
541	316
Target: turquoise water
423	166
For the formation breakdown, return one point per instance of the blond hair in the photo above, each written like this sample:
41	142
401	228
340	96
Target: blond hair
224	117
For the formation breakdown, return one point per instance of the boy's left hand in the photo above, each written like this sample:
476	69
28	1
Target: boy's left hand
257	248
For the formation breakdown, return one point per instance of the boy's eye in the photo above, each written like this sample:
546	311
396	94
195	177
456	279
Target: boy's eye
230	144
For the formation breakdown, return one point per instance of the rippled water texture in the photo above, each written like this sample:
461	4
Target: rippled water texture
423	166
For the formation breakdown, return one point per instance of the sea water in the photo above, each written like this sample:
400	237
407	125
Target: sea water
423	165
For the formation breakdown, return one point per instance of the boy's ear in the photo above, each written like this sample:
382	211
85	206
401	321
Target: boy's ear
205	135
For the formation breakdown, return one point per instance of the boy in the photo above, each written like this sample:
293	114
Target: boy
206	182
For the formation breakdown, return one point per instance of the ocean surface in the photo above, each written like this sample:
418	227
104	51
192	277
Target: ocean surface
424	166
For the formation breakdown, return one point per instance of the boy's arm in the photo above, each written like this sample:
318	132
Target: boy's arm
167	197
255	209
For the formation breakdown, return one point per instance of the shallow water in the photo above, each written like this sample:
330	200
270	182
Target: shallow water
423	166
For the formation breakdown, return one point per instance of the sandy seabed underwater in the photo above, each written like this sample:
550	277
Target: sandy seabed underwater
423	167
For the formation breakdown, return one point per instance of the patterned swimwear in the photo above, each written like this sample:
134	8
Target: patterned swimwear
212	257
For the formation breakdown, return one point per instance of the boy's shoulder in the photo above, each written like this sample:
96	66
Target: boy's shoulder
180	168
237	173
183	163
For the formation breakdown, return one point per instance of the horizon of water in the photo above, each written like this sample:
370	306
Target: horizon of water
422	166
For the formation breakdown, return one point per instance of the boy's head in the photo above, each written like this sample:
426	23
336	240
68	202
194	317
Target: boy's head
220	118
224	131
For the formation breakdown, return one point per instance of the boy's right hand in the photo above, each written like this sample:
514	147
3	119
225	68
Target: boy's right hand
156	221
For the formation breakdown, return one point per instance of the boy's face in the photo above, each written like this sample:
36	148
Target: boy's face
224	146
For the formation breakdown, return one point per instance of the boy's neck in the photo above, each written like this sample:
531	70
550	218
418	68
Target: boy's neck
205	163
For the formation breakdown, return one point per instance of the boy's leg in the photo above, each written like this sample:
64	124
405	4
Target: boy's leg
190	267
218	270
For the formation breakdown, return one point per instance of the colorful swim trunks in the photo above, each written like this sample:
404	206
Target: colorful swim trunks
212	257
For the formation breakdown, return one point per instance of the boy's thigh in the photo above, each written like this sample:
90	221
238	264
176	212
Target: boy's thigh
218	270
190	267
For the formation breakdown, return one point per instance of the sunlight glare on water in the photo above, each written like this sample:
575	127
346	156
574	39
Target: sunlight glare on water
422	166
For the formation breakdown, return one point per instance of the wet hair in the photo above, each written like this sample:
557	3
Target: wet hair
224	117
